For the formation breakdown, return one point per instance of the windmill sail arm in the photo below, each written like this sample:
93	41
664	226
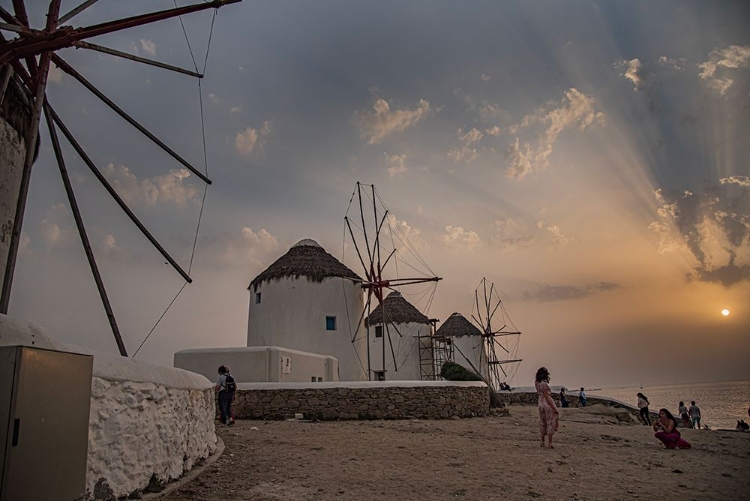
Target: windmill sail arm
64	37
509	361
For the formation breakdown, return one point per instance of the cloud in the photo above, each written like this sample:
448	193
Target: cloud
404	233
251	139
456	236
485	78
716	70
677	64
148	47
234	110
382	121
740	180
643	81
510	235
575	110
214	99
242	249
466	152
493	131
557	235
172	188
712	226
545	293
396	164
244	142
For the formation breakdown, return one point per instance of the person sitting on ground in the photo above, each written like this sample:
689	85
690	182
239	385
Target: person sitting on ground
643	404
695	415
582	397
667	432
563	398
684	415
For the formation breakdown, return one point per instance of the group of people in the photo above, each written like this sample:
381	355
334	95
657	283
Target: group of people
665	427
690	417
564	398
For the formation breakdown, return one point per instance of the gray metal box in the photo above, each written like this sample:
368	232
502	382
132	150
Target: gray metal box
45	397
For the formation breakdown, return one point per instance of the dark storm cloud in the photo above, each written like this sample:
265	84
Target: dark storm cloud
547	293
718	213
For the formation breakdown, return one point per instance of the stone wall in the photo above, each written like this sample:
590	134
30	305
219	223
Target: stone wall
363	400
148	424
531	398
140	430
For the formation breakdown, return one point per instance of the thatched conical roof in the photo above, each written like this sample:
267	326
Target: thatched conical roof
307	259
398	311
457	325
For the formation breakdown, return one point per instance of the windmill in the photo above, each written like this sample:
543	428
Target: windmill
382	246
498	359
24	67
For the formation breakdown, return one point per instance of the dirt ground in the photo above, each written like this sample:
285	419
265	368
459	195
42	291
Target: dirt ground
497	457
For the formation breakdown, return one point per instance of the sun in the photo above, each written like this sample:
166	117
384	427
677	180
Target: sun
725	312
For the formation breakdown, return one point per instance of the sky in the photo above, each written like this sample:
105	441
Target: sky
591	159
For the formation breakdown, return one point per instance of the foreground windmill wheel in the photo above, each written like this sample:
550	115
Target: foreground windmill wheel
498	361
381	248
24	68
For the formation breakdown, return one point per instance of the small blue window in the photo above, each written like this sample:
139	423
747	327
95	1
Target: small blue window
330	323
257	298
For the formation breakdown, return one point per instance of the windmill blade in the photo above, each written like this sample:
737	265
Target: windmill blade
356	247
82	232
81	153
77	10
390	342
500	345
139	59
362	216
72	72
362	316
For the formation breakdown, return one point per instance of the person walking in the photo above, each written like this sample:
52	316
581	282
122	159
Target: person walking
684	416
548	413
582	397
643	404
695	415
225	388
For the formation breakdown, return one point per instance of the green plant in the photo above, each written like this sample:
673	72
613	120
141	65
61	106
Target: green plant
452	371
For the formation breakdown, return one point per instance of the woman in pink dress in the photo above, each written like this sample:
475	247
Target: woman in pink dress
548	413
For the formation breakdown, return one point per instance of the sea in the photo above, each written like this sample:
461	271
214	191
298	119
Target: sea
722	404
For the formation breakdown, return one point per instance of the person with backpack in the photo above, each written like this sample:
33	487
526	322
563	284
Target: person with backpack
225	388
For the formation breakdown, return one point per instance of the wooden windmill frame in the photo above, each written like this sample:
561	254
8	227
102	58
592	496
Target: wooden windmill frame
369	238
25	62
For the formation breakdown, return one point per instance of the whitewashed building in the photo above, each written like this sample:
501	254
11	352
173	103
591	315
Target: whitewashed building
307	300
468	345
409	332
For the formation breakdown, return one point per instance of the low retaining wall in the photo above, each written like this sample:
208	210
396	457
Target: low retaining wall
148	424
362	400
532	398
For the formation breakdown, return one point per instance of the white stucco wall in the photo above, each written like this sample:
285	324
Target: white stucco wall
259	364
405	347
12	154
145	419
292	314
472	348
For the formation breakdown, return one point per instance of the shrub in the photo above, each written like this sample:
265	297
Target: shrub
454	372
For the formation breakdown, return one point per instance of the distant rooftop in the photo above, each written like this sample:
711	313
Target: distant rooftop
398	311
306	259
